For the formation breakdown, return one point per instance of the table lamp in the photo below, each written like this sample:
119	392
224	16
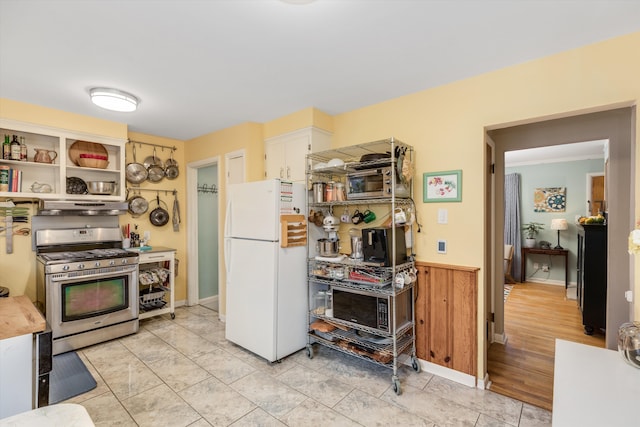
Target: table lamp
559	224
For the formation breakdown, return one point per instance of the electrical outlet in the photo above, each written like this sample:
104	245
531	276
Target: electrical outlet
545	267
536	266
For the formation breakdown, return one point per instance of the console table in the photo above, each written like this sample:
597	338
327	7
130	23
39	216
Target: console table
539	251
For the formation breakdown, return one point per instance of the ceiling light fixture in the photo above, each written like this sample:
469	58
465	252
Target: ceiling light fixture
297	1
113	99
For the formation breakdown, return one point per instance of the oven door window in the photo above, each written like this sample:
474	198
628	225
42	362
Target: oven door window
81	300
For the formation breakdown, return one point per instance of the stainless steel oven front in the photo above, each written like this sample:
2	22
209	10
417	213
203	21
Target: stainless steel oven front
89	302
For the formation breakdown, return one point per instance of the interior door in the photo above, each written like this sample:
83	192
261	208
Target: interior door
597	200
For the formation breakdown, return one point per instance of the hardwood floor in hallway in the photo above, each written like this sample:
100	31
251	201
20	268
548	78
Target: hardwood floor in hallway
535	315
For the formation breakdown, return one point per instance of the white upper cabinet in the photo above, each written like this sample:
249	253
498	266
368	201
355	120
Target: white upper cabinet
285	155
49	180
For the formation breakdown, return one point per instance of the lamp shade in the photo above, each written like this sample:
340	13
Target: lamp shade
113	99
559	224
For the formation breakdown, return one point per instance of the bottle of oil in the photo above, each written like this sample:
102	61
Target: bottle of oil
15	148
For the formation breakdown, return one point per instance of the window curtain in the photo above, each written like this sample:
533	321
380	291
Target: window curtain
512	219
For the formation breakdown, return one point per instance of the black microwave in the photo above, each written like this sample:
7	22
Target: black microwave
371	309
374	183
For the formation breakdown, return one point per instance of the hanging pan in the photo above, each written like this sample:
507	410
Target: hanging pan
171	168
138	205
159	216
135	172
155	169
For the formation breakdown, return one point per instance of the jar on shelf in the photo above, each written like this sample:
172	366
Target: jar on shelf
319	302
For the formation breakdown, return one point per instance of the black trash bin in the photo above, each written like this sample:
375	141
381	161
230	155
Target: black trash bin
4	292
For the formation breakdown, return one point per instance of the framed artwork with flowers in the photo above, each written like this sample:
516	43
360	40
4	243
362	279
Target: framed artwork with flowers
442	186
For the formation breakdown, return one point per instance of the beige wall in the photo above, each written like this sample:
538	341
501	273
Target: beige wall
17	270
447	124
245	137
163	236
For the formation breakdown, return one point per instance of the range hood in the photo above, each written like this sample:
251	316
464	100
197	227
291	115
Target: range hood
75	207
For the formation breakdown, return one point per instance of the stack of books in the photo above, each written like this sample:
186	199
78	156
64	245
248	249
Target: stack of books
10	180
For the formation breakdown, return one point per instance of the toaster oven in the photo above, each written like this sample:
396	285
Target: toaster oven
374	183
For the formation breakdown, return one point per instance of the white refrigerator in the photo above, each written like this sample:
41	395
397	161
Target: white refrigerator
266	284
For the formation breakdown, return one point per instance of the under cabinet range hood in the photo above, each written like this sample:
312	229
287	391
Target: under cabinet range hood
74	207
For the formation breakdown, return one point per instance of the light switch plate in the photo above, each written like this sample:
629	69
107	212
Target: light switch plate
442	246
443	216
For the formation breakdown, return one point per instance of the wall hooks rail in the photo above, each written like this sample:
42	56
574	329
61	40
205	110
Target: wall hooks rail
204	188
162	147
155	190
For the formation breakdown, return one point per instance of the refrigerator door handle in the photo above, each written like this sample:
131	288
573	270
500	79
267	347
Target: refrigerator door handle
227	220
227	256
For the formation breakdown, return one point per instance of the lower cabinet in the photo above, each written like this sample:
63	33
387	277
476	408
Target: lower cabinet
446	316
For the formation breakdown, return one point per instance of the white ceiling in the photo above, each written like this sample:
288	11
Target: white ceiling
556	153
201	66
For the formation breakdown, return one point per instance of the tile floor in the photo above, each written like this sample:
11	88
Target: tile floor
183	372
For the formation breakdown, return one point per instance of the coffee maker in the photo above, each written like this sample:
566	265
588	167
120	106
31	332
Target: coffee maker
377	246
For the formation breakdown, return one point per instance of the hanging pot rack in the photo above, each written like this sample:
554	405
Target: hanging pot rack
162	147
154	190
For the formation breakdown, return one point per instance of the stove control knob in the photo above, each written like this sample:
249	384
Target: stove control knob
81	266
112	262
97	263
65	267
124	260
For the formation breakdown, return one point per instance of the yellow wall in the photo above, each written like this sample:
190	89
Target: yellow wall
17	270
298	120
446	125
163	236
245	137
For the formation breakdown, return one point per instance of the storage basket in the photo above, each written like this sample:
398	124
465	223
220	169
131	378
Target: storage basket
153	296
92	163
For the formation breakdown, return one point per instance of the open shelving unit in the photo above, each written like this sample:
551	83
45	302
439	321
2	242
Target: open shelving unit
381	345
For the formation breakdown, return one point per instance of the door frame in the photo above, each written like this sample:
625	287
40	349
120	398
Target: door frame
193	279
616	123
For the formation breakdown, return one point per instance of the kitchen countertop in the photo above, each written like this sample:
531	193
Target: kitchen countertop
152	249
593	386
18	316
61	414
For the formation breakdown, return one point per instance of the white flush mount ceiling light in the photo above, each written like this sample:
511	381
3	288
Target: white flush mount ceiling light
113	99
297	1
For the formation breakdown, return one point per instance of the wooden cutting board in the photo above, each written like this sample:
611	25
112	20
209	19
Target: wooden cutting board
18	316
84	147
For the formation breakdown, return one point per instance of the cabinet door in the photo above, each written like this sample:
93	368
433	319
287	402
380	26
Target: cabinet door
446	311
440	324
296	151
463	314
274	165
421	312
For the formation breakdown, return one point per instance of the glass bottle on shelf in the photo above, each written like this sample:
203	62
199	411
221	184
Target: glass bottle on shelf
23	149
15	148
6	148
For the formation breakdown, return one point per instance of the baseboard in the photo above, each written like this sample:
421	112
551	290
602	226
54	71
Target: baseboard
450	374
549	281
484	383
500	338
209	300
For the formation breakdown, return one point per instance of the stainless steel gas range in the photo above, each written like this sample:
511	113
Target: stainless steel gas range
86	285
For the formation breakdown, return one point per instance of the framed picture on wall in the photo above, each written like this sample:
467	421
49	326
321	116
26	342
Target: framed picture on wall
442	186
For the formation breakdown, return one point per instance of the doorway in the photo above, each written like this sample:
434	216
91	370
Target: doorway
614	125
201	173
208	236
